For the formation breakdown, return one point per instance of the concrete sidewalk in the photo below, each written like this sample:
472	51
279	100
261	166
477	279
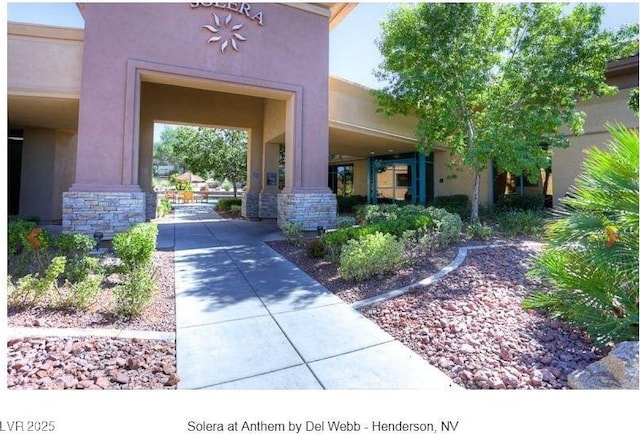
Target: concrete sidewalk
246	318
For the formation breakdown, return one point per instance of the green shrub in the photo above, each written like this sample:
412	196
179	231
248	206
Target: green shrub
226	203
376	213
236	209
419	242
83	292
136	246
432	227
75	247
316	248
395	225
591	258
74	244
78	269
17	230
520	202
29	218
292	232
347	204
227	185
455	203
373	254
527	223
135	293
32	287
447	226
163	208
345	222
479	231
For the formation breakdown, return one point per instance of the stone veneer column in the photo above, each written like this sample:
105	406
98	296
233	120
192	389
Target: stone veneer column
106	212
151	205
250	205
312	209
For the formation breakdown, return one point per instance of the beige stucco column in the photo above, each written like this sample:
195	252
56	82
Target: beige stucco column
306	197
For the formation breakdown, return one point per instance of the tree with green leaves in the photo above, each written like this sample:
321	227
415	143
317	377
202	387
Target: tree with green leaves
494	82
214	152
163	151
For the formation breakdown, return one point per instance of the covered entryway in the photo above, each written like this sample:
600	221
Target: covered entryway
217	65
209	103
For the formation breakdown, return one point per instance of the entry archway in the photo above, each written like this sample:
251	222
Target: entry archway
270	116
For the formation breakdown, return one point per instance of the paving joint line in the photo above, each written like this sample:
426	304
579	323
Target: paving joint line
271	314
251	376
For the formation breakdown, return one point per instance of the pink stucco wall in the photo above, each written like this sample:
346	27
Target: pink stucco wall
290	48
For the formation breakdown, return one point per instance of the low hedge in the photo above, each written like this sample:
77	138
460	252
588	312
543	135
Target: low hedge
455	203
520	202
346	204
226	203
394	227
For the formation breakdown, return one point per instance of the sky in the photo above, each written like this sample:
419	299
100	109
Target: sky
353	54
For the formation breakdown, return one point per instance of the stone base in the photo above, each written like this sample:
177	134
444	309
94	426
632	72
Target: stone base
311	209
106	212
151	205
268	206
250	205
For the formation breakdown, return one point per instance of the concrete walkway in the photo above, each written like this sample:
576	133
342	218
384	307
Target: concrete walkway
248	319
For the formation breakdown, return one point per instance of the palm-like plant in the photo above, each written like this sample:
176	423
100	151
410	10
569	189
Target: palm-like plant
591	259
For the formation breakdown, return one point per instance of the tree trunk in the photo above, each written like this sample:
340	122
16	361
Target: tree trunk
235	189
475	196
545	185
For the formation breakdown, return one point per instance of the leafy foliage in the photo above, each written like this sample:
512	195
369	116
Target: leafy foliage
164	152
226	203
479	231
423	229
222	153
32	287
346	204
17	231
345	222
75	247
83	292
292	232
455	203
523	202
492	82
134	294
163	208
135	247
514	223
634	100
370	255
316	248
591	259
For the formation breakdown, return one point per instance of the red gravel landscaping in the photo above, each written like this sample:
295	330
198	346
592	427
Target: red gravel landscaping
470	324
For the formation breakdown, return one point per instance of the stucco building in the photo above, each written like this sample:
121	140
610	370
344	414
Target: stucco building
82	104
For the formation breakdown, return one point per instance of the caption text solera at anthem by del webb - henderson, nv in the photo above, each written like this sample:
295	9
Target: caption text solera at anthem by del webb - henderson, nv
308	426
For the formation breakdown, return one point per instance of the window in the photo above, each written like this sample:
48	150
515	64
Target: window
341	179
